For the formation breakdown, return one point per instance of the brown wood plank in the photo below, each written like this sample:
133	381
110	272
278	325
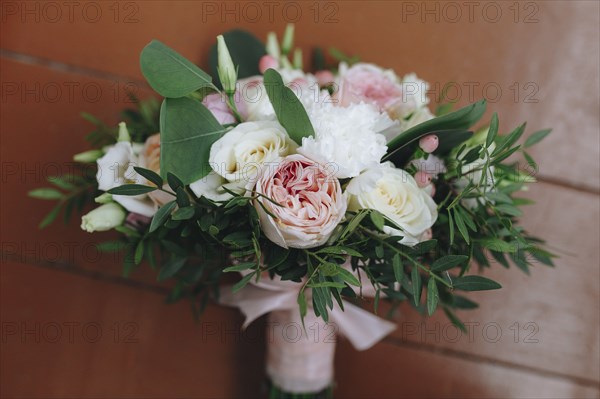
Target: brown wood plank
534	61
171	356
555	309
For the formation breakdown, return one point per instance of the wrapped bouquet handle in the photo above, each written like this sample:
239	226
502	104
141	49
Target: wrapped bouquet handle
300	364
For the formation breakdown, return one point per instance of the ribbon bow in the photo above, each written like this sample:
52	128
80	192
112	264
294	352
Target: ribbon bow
362	328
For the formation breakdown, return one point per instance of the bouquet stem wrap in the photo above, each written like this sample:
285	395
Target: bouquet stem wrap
303	364
300	360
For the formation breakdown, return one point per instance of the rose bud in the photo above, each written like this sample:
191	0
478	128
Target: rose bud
422	178
266	62
429	143
324	77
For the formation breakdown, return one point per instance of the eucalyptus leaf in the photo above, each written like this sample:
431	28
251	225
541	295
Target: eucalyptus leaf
288	108
188	130
169	73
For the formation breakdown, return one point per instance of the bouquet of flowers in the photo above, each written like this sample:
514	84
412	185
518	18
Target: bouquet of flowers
317	189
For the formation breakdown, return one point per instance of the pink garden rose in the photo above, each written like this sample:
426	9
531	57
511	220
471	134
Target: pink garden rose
218	107
368	83
312	203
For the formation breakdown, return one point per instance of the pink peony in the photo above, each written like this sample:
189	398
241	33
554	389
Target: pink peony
370	84
218	107
312	203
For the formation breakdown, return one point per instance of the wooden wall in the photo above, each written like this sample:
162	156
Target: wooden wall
73	328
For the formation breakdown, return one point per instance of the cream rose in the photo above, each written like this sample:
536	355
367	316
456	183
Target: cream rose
312	203
394	193
241	154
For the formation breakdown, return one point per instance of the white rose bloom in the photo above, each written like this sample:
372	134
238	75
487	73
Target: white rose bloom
242	153
347	139
115	169
394	193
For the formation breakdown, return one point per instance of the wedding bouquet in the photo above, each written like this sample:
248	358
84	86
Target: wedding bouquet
316	188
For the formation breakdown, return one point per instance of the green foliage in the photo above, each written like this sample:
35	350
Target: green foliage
288	108
171	74
188	131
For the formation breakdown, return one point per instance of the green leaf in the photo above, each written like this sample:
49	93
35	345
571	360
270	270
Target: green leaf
242	283
172	266
174	182
111	246
340	250
289	110
169	73
509	140
131	189
239	267
49	218
183	200
62	182
460	302
462	228
139	252
188	131
150	176
184	213
245	50
455	320
416	284
327	284
475	283
432	296
508	209
161	216
348	277
461	119
498	245
45	193
536	137
493	130
377	220
448	262
398	269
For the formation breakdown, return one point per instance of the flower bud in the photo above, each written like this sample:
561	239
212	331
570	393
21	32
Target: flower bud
288	39
123	132
103	198
422	178
429	143
266	62
273	46
298	58
225	68
103	218
324	77
88	156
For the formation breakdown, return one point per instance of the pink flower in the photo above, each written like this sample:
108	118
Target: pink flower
324	77
429	143
266	62
368	83
218	107
312	203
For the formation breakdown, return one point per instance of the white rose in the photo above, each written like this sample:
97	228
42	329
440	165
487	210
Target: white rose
115	169
394	193
347	139
242	153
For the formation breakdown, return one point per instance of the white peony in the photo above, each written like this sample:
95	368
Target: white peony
347	139
394	193
242	153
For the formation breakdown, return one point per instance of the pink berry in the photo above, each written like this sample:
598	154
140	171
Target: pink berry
324	77
267	62
422	178
429	143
